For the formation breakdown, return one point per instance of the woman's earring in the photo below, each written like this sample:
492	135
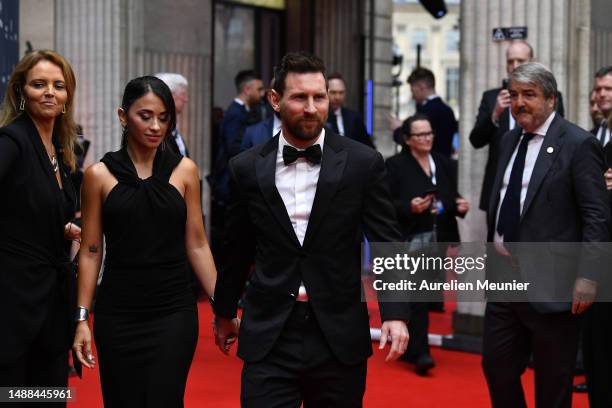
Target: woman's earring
22	104
64	109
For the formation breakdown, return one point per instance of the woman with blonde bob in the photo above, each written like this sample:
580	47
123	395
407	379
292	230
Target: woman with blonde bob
37	134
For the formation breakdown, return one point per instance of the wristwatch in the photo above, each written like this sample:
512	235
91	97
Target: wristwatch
82	314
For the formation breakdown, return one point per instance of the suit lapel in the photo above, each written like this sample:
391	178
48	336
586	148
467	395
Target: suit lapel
506	149
553	139
504	120
332	169
265	169
45	163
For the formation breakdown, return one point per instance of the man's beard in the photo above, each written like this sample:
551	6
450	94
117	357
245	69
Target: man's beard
297	129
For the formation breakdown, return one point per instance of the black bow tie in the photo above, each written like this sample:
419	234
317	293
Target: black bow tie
312	154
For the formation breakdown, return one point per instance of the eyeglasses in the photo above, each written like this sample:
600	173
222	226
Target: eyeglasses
424	135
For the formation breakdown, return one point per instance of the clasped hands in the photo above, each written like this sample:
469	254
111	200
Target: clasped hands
226	332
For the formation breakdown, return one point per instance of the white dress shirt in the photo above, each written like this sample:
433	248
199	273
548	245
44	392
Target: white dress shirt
297	185
533	149
339	121
276	126
241	102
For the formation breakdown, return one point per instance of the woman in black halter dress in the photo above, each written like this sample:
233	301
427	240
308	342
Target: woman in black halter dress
145	200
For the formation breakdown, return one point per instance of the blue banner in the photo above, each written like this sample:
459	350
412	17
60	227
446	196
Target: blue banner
9	41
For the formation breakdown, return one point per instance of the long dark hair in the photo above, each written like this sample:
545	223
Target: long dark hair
139	87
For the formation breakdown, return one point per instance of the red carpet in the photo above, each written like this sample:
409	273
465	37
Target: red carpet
457	381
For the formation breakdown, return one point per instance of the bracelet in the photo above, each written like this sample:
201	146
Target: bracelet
82	314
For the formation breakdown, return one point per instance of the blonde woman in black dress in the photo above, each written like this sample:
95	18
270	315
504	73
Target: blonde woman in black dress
145	200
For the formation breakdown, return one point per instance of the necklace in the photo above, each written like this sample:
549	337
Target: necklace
54	164
53	159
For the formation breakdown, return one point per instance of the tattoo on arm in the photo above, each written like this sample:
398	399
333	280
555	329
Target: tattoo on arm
93	249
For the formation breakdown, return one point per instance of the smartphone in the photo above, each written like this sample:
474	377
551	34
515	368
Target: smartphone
505	83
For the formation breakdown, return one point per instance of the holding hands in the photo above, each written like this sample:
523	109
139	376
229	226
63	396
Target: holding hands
72	232
226	332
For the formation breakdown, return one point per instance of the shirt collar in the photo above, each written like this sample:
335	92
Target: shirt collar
276	125
338	112
241	103
429	98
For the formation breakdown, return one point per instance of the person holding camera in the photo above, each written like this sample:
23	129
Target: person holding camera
424	190
494	118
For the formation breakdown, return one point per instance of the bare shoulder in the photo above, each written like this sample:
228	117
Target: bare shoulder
187	168
98	179
97	172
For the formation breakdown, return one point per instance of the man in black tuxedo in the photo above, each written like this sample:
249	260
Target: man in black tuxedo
302	202
494	118
179	86
343	121
442	118
548	187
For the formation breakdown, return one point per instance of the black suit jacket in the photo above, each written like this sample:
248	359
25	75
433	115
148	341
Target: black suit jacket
353	126
485	132
352	197
35	279
408	180
443	123
566	201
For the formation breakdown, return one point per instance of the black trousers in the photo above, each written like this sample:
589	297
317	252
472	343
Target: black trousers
597	349
301	368
514	331
418	327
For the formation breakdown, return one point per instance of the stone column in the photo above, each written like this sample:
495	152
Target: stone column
40	32
381	60
110	42
89	34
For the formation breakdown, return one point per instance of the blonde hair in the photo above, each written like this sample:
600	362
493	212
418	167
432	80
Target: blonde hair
64	128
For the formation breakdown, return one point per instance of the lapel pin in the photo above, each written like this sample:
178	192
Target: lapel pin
550	149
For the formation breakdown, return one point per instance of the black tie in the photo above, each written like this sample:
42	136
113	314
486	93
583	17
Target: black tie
312	154
603	128
510	211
